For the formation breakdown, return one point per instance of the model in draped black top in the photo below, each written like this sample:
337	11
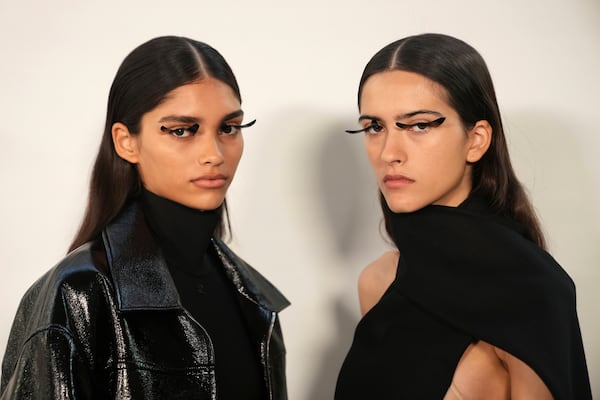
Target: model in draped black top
470	306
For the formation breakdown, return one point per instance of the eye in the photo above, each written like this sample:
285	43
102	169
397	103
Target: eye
230	129
372	129
181	132
421	127
233	129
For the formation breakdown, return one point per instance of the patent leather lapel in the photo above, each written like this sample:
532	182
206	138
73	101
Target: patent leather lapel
248	281
139	272
141	276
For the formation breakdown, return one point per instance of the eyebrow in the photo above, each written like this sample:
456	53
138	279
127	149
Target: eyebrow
180	118
186	119
402	116
235	114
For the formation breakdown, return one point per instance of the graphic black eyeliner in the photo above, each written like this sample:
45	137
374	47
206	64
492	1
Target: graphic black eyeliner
192	129
422	125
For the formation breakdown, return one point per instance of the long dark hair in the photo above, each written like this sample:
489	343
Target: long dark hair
463	73
143	80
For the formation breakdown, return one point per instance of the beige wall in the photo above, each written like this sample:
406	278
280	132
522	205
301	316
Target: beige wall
303	204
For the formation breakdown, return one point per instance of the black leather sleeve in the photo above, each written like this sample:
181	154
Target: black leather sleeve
48	366
54	345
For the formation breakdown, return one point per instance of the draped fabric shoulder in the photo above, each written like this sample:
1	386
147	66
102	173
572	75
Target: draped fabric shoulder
478	273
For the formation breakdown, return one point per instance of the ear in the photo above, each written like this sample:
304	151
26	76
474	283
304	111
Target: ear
125	143
480	138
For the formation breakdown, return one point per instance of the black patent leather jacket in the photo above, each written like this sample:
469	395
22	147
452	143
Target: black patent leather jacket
107	323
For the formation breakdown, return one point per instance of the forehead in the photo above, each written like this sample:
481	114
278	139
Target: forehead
403	91
205	96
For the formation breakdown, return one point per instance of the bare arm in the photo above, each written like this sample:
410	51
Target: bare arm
375	279
525	384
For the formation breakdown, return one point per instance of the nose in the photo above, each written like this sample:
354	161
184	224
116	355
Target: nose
209	150
394	148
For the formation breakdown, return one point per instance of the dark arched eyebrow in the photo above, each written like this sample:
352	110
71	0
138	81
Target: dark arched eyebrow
368	117
402	116
419	112
235	114
186	119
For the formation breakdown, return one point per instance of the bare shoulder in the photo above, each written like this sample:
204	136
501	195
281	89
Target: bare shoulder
375	278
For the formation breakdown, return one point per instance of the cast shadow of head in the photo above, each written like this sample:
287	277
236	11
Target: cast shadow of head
311	160
349	208
547	152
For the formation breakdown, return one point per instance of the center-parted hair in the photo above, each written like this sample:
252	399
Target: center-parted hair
143	80
461	71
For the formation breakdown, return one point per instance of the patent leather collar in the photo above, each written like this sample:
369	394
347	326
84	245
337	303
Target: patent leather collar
141	277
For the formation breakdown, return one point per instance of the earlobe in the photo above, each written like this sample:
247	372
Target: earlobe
124	142
480	138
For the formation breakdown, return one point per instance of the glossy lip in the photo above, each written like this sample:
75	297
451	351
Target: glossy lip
397	181
210	181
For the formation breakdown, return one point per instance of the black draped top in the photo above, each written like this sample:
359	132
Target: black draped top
184	235
464	275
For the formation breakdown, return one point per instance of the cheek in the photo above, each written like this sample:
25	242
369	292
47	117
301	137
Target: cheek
241	147
233	151
158	163
373	151
151	157
448	159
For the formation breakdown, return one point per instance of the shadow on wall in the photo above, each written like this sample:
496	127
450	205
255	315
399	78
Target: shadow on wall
547	153
347	188
349	208
317	201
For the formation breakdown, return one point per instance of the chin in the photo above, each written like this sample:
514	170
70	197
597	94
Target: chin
204	204
403	205
207	207
404	209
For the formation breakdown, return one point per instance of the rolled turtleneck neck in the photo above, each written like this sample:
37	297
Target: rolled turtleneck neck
184	233
207	293
420	223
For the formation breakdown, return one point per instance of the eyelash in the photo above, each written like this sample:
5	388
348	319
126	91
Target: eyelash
422	126
226	129
179	132
373	125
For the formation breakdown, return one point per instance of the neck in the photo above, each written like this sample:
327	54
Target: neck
183	233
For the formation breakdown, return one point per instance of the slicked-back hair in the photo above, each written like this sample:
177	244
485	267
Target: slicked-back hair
461	71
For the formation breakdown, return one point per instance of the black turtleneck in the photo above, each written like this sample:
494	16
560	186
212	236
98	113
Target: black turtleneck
206	292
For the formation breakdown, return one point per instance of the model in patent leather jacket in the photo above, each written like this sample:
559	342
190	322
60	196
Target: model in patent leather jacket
106	322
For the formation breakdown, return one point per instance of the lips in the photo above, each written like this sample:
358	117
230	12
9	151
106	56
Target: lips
215	181
397	181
